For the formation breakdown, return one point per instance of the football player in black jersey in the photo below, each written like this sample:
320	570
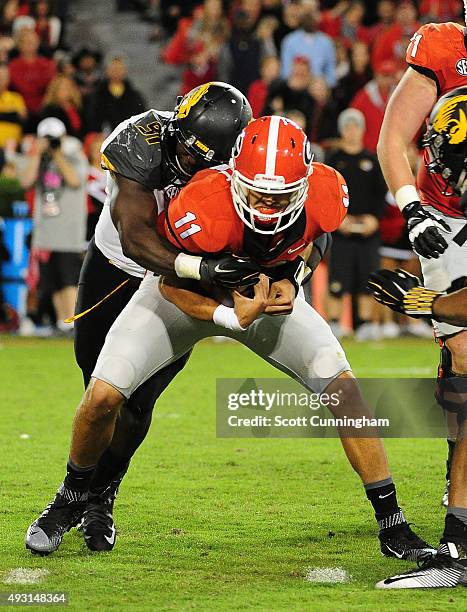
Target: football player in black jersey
148	158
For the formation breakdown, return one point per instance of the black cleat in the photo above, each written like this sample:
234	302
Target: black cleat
401	542
98	526
447	569
45	535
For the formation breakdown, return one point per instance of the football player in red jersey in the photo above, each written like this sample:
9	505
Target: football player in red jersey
436	218
269	206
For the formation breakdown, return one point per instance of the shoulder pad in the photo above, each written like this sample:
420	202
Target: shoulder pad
133	149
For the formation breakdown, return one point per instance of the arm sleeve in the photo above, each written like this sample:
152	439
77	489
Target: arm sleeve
334	202
422	51
191	223
134	151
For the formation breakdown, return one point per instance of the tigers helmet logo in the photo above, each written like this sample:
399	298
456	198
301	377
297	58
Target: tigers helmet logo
191	99
452	120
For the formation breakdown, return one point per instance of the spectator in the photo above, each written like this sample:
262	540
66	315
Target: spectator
439	10
57	169
8	14
385	11
347	23
12	111
289	22
265	33
30	73
87	71
47	26
316	46
206	30
323	128
241	55
258	91
359	74
372	100
115	99
63	100
172	11
10	188
97	181
342	59
6	46
354	254
197	44
292	94
392	44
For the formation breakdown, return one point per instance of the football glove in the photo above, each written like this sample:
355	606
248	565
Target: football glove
296	271
229	271
425	231
402	292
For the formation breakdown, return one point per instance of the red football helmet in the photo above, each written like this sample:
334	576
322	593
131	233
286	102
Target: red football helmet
271	158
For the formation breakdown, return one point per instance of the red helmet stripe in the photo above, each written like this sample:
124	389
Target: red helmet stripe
271	154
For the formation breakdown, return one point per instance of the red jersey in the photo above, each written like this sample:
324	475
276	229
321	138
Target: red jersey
202	219
438	50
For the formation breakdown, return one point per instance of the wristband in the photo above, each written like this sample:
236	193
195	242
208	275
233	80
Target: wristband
406	195
187	266
226	317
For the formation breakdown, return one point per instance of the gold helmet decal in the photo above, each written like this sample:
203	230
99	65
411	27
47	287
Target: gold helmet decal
191	98
452	120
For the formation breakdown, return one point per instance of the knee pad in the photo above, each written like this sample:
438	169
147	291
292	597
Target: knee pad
451	391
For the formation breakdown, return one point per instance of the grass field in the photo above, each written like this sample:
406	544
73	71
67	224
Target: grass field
207	523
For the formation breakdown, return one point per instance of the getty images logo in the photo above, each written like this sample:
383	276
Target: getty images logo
461	66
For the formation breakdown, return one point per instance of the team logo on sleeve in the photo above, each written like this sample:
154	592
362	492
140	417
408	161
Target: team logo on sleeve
461	66
191	100
452	120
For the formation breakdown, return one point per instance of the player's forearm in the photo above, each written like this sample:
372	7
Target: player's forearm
392	155
144	246
191	303
451	308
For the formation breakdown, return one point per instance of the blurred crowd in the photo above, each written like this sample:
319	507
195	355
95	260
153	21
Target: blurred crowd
330	66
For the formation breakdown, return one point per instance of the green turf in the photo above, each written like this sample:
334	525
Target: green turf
206	523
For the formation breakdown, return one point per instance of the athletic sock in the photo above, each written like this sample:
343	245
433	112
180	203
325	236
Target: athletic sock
451	447
455	527
383	497
78	478
110	468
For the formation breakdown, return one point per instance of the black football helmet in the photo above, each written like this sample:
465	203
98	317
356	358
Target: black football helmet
446	139
205	125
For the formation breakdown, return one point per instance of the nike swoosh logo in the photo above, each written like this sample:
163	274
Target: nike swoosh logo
398	555
387	495
290	251
401	577
111	539
221	270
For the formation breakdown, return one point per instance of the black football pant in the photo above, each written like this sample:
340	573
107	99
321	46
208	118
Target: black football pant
97	279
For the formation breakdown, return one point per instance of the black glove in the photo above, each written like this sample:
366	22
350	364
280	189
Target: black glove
229	271
295	271
402	292
425	230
